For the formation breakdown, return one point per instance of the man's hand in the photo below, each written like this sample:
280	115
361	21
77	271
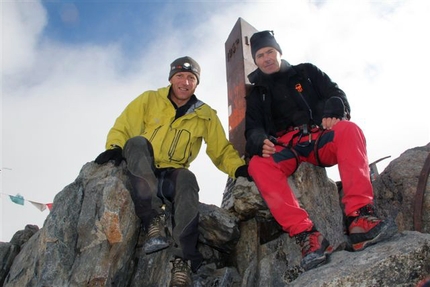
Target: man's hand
334	108
243	171
114	154
268	148
334	112
328	123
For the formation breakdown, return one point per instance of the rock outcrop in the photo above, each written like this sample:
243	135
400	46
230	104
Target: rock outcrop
90	237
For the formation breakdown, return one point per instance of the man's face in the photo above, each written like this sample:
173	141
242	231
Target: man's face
268	59
183	86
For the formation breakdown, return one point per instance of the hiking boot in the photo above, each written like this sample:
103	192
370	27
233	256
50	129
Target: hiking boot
181	273
156	235
365	229
315	248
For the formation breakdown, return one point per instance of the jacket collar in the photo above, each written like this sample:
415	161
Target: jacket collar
196	106
257	77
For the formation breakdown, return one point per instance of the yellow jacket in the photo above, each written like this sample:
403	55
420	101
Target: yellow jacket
176	143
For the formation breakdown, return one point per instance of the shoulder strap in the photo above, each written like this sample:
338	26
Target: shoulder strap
295	83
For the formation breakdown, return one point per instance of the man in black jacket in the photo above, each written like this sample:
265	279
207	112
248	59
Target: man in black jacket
297	114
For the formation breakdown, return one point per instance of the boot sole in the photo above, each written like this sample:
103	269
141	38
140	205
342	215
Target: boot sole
318	261
156	244
387	231
314	263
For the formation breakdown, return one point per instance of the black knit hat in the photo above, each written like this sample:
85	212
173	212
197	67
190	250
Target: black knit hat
185	64
263	39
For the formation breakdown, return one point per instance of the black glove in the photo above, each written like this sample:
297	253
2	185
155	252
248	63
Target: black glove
334	108
243	171
114	154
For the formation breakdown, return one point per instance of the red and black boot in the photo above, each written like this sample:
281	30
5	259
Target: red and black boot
315	248
365	228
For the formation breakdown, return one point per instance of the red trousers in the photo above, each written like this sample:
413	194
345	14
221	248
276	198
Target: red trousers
344	145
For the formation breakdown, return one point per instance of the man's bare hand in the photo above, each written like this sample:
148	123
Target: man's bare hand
268	148
328	123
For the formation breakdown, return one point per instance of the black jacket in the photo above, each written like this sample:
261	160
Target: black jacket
291	97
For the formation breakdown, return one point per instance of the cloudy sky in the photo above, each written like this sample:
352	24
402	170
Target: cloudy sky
70	67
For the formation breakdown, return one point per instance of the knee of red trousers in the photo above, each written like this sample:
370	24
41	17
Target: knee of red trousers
264	165
261	167
344	124
254	165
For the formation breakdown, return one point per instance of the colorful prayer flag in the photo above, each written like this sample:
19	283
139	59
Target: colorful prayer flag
18	199
38	205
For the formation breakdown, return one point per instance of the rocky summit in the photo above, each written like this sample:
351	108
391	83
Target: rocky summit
91	236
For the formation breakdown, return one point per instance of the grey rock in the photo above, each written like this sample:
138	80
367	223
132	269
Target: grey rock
90	237
396	188
22	236
8	252
402	261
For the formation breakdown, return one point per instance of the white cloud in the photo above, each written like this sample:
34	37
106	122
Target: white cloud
24	24
59	101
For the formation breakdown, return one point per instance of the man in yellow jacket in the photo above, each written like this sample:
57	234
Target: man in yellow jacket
159	134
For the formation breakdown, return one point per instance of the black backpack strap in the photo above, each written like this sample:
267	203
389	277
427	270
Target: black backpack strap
295	83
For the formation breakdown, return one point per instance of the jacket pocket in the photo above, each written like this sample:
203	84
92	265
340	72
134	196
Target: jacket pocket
180	147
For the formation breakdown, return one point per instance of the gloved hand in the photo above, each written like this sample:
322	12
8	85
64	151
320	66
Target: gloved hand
334	108
243	171
114	154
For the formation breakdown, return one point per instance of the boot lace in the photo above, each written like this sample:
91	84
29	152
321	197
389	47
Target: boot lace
308	241
364	220
155	227
180	273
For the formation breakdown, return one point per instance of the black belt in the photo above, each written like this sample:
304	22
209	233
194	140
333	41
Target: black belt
305	129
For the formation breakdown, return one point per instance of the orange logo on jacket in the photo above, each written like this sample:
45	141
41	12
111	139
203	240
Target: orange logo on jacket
299	88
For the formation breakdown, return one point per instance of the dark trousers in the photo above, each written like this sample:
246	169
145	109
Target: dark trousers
176	188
